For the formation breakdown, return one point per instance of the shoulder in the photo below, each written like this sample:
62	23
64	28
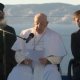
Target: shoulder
53	33
26	31
9	27
74	34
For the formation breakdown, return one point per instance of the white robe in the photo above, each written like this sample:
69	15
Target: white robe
50	43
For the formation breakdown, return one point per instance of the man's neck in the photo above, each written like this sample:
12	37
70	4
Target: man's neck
3	22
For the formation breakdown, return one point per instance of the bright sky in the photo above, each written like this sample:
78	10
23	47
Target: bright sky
74	2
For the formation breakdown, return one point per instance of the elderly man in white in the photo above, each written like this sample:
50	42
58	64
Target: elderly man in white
38	59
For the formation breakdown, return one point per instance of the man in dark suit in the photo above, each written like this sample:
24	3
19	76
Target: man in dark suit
75	47
7	40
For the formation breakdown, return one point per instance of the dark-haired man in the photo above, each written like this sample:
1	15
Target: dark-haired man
7	60
75	47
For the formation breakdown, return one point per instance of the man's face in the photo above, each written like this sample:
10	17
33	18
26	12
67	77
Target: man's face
40	23
1	15
77	21
2	20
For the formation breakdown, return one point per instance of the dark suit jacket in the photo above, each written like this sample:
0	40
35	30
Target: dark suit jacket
75	44
6	42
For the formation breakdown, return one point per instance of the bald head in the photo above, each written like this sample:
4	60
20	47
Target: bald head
40	22
40	16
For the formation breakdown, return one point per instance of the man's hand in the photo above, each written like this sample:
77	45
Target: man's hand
43	61
27	62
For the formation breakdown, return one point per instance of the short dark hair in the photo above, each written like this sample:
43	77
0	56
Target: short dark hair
76	14
1	7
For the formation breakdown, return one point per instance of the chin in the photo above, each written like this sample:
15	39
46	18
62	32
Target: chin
3	22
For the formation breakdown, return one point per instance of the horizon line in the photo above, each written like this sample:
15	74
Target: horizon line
40	3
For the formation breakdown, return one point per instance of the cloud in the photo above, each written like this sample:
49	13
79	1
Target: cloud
75	1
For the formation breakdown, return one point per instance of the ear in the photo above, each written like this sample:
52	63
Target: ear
47	22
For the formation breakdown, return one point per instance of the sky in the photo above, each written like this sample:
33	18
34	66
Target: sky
73	2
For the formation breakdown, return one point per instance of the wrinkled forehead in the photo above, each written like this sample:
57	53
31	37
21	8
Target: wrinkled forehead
40	17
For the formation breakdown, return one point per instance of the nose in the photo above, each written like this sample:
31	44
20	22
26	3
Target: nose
38	25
